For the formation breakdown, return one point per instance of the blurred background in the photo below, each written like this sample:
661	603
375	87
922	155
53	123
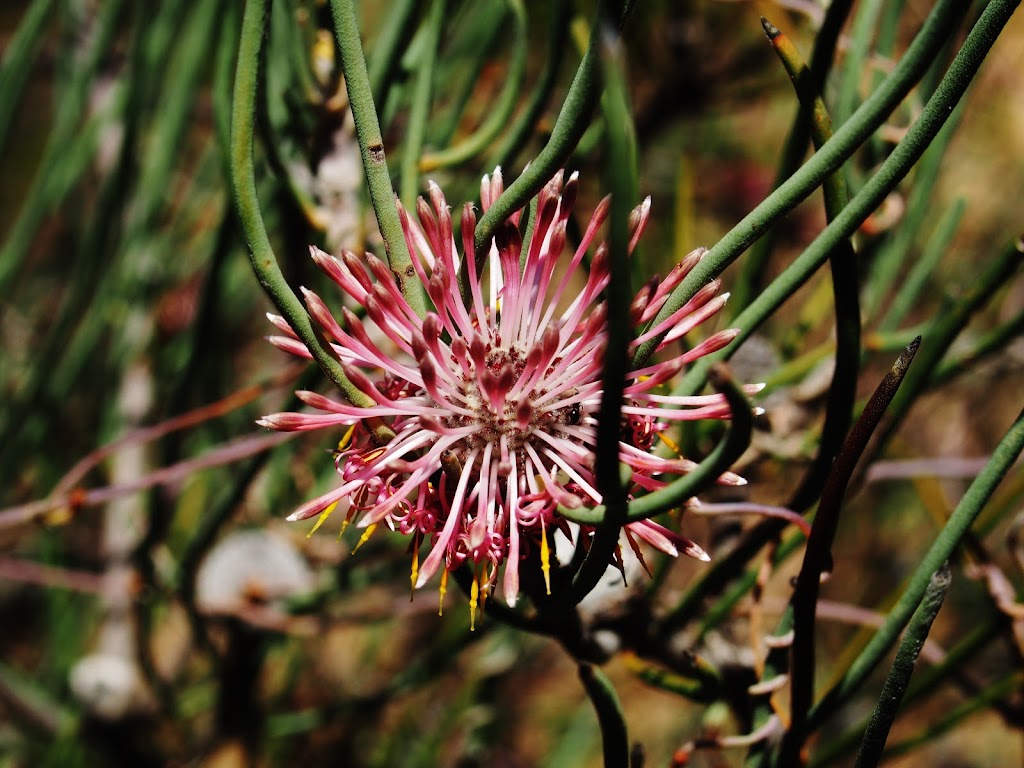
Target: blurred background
156	608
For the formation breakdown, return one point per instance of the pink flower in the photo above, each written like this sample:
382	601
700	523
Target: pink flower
493	401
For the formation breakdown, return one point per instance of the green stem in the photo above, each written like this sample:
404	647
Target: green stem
945	544
16	65
751	274
902	668
856	56
243	182
501	112
572	121
892	171
993	342
843	266
818	556
924	684
614	738
399	25
622	184
371	148
924	268
419	112
524	124
843	144
731	447
952	320
892	257
70	146
997	692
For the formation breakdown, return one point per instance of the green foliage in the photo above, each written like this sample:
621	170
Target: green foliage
151	148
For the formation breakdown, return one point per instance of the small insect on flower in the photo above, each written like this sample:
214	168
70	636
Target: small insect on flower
491	401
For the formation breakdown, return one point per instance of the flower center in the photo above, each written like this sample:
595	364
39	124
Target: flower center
502	408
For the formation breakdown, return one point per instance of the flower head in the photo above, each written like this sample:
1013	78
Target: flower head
493	400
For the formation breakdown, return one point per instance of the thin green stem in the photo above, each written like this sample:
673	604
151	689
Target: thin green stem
371	148
399	25
892	171
525	123
243	182
843	144
892	257
70	147
621	181
1002	689
499	115
924	268
843	266
993	342
925	683
572	121
818	556
614	738
751	274
16	65
733	443
422	95
945	544
902	668
856	57
952	320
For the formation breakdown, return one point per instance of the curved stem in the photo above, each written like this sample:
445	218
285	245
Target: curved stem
371	148
892	171
419	111
523	127
614	738
572	121
752	270
948	540
843	144
392	40
500	113
843	266
735	441
243	182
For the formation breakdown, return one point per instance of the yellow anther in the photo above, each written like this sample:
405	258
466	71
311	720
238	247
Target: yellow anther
365	537
474	594
672	446
545	557
323	517
374	454
415	569
443	591
346	439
